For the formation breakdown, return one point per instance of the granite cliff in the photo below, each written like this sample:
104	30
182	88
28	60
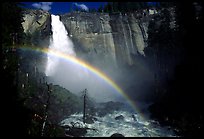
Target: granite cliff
113	38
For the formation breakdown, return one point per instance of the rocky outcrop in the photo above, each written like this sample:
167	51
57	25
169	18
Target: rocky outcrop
37	26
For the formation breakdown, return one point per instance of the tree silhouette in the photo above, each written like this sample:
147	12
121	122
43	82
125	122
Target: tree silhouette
11	15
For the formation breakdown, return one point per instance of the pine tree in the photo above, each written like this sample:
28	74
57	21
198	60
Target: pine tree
108	8
100	9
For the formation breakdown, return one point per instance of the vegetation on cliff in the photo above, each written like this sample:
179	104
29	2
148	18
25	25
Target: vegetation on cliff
10	13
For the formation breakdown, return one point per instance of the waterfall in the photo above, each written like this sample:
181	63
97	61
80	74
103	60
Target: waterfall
68	74
59	42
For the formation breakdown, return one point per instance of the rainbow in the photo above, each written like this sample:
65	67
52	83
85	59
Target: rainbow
87	66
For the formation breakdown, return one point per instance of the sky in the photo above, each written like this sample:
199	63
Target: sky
63	7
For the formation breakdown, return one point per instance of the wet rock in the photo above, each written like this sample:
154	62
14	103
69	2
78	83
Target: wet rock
76	132
120	117
90	120
117	135
134	118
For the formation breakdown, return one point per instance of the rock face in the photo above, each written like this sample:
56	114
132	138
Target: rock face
114	43
113	38
37	26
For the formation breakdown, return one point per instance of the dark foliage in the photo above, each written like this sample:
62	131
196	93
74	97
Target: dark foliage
114	7
11	28
181	105
15	115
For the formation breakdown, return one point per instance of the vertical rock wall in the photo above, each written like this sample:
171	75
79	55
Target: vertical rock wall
113	38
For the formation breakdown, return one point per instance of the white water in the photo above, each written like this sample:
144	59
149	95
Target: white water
59	42
76	79
107	125
69	75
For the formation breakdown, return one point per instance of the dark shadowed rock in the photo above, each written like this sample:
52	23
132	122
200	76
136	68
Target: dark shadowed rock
117	135
90	120
76	132
134	118
120	117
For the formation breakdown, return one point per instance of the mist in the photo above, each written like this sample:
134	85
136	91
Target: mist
137	81
74	77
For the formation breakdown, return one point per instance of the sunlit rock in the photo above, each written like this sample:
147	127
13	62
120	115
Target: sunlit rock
37	26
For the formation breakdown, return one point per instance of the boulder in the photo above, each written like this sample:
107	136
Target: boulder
117	135
120	117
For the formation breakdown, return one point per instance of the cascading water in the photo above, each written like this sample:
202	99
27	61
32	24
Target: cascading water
132	125
59	42
69	75
76	79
